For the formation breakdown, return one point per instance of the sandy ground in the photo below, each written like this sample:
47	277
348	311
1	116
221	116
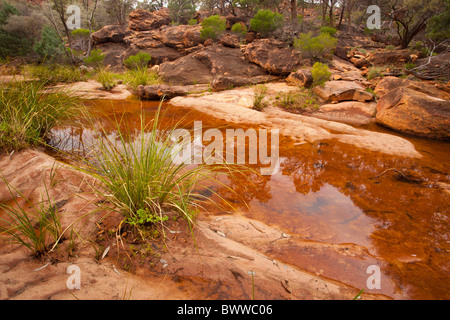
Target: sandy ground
215	261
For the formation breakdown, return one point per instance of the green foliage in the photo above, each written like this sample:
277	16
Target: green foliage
410	65
28	112
260	94
50	46
139	60
55	73
139	177
320	74
181	11
80	33
141	76
95	58
315	47
438	27
330	30
390	47
192	22
37	228
212	27
144	216
107	79
266	21
374	72
239	28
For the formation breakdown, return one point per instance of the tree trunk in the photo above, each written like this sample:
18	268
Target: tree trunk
294	11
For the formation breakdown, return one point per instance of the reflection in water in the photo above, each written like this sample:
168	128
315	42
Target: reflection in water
334	193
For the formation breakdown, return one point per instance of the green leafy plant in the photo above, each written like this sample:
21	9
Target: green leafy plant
212	27
192	22
141	76
374	72
139	178
240	29
260	93
320	74
37	228
330	30
29	111
107	79
139	60
50	46
95	58
51	74
266	21
315	47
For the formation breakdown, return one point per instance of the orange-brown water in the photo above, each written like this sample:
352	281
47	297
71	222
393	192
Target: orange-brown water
329	192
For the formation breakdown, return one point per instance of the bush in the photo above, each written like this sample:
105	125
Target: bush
330	30
139	60
28	112
212	27
192	22
315	47
80	33
107	79
374	72
141	76
260	94
266	21
55	73
240	29
320	74
50	45
95	58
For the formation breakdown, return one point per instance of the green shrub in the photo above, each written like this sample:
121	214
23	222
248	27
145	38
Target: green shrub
55	73
80	33
266	21
141	76
315	47
107	79
260	94
139	60
330	30
212	27
192	22
28	112
50	46
95	58
374	72
320	74
410	65
390	47
240	29
37	228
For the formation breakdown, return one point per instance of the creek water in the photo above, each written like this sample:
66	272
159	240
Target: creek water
395	209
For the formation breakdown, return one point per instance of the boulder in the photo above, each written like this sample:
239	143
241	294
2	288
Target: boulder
111	33
273	56
229	40
390	83
185	70
394	57
436	68
179	37
209	63
352	112
158	54
143	20
412	112
156	92
338	90
114	53
301	77
230	82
